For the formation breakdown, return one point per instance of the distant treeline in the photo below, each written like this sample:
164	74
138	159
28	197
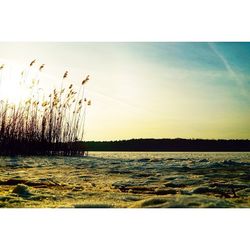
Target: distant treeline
168	145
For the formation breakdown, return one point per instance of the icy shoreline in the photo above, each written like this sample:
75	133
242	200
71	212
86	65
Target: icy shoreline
117	180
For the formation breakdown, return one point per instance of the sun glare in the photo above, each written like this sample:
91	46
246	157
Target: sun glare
16	85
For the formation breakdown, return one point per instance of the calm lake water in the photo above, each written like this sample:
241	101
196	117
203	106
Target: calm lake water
127	179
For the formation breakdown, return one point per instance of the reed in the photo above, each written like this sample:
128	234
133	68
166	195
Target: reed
43	125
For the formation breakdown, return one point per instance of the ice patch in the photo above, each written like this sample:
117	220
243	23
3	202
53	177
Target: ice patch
22	190
203	160
93	205
144	160
152	202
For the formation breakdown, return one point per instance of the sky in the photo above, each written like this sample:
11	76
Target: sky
150	90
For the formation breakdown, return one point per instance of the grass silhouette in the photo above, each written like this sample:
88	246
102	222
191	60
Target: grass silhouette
43	125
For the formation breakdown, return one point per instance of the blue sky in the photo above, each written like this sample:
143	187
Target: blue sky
152	90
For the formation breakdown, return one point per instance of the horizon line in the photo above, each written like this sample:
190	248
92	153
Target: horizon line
177	138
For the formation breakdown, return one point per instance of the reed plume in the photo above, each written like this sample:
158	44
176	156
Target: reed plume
47	125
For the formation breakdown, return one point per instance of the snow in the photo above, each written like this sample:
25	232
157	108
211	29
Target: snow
127	179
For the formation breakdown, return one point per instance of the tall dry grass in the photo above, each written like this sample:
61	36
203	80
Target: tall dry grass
43	125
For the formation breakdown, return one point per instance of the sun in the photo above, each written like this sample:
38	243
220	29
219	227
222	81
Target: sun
14	87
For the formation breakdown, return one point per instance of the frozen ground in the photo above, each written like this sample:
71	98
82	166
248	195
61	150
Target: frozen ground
117	179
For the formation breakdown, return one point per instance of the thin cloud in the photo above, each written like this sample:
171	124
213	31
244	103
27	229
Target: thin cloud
229	68
135	108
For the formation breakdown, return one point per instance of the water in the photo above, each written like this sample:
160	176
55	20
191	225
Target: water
127	179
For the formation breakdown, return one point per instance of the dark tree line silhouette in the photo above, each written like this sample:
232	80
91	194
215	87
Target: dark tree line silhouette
169	145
